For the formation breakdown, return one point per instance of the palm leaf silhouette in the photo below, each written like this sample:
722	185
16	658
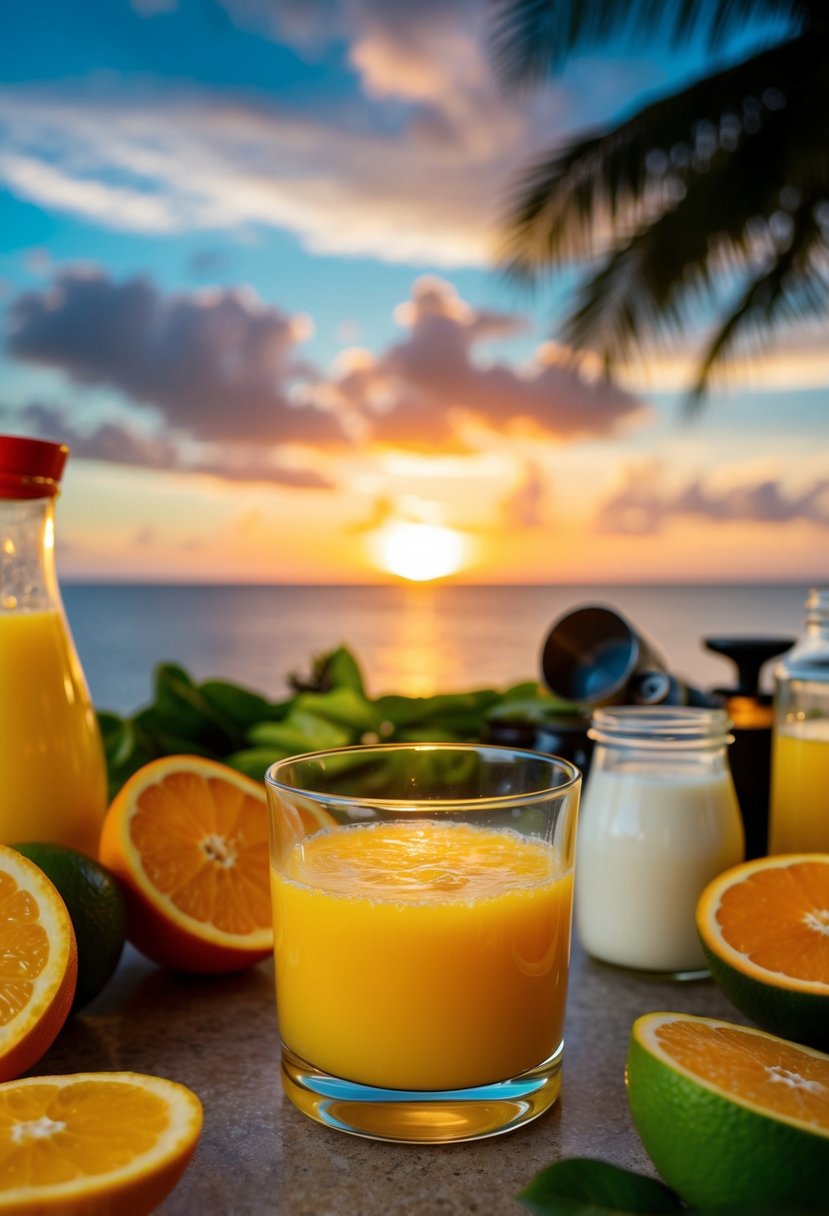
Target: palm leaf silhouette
718	193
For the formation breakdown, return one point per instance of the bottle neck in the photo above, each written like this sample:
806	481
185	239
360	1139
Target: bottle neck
817	613
28	576
808	660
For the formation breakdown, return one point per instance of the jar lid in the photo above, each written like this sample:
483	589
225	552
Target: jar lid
660	727
30	468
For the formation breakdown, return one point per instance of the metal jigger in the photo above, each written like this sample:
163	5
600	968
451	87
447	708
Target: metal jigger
594	656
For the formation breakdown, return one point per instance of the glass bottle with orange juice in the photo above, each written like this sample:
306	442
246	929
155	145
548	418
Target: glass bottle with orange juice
52	770
799	816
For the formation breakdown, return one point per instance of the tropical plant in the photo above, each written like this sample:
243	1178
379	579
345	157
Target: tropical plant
717	193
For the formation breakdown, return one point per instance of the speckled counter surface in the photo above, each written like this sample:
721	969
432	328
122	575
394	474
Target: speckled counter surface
259	1155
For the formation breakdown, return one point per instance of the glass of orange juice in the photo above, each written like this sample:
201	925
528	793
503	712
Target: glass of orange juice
422	898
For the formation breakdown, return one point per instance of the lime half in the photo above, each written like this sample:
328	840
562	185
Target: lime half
729	1114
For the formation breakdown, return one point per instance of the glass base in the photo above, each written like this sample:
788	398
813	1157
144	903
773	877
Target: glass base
418	1116
642	973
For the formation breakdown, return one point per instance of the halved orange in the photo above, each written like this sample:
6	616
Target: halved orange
188	838
38	963
92	1144
764	927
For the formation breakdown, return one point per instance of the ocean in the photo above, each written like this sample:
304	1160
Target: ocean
413	639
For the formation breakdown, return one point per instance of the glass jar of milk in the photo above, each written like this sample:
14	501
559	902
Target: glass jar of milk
659	820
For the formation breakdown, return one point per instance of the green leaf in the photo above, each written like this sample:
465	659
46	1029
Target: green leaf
344	706
343	670
300	732
426	734
468	707
241	706
336	669
540	708
255	761
126	748
182	709
580	1186
527	689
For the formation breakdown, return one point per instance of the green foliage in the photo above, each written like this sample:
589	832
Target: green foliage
330	708
579	1186
583	1187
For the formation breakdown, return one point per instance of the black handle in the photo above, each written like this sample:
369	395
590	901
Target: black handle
748	654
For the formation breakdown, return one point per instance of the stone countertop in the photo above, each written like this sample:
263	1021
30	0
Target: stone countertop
258	1156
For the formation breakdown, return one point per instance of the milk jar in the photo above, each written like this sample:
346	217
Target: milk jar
659	820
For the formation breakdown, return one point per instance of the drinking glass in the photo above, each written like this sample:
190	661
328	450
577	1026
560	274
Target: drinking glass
422	899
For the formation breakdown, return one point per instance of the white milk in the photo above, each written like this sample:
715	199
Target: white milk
649	841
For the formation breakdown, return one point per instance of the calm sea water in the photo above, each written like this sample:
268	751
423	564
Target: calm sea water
409	639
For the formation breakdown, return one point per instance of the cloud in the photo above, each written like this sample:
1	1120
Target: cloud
215	365
642	506
524	506
211	382
424	391
110	441
406	161
121	444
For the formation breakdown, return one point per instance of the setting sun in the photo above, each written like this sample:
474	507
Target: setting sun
419	552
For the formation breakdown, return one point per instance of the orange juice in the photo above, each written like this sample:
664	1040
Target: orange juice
421	955
52	774
799	820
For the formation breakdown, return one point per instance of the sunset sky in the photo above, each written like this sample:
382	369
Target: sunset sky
247	272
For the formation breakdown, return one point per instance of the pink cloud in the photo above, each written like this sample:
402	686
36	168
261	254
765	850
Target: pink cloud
419	391
642	506
215	365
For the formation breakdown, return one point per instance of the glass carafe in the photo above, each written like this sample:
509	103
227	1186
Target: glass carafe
51	759
800	752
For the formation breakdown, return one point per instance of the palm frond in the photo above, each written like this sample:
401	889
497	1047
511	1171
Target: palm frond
602	187
530	38
794	287
668	239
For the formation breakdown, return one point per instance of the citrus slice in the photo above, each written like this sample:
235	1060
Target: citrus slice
91	1144
188	838
764	928
95	905
38	963
730	1114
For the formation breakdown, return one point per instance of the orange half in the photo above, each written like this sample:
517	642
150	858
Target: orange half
94	1143
770	919
38	963
188	838
764	927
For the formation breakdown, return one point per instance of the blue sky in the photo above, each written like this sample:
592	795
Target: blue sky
230	228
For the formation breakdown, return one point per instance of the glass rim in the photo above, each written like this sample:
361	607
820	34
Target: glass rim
499	801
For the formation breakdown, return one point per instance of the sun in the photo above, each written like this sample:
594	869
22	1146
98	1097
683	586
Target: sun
419	552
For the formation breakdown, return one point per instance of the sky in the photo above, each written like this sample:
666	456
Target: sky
249	272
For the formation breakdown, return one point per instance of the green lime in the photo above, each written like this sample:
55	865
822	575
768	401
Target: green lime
96	907
729	1114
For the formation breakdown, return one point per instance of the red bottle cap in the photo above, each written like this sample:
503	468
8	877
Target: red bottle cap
30	468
